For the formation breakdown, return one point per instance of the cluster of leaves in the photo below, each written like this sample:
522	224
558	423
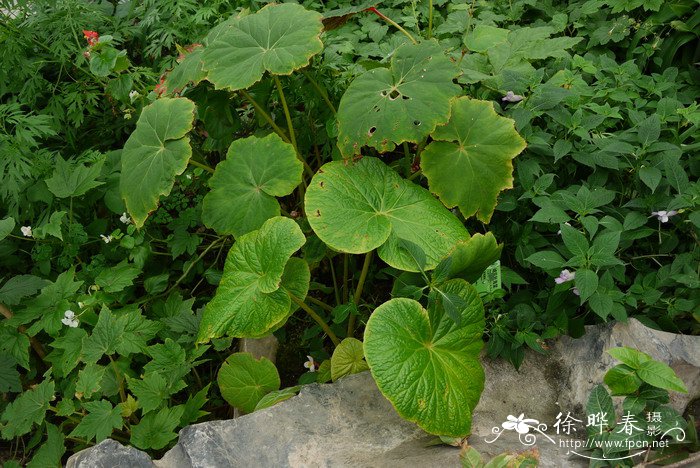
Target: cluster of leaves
645	384
272	153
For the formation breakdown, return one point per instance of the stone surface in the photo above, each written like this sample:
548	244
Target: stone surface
109	454
349	423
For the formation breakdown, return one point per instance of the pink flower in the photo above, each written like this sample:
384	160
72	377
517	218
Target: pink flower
576	291
565	276
512	97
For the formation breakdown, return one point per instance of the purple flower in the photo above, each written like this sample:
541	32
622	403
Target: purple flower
664	215
565	276
512	97
576	291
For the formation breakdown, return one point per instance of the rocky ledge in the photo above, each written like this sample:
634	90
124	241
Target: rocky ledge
349	423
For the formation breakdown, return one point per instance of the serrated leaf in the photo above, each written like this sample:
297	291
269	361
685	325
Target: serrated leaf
156	430
18	287
622	380
192	412
154	154
405	102
52	227
586	282
660	375
6	227
278	38
252	296
483	37
244	380
89	379
600	403
348	358
105	337
67	351
244	186
73	180
26	410
101	420
547	260
362	206
51	451
9	377
118	277
442	359
470	160
151	391
632	357
651	176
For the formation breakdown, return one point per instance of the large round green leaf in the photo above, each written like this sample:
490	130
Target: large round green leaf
358	207
425	364
348	358
277	38
154	154
386	106
470	162
243	380
253	296
244	186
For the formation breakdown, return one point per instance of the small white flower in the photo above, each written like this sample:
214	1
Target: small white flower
189	176
565	276
133	95
124	218
26	231
559	231
310	364
107	239
576	291
70	319
664	215
512	97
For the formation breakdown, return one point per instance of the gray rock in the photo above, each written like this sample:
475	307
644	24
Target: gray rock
349	423
110	454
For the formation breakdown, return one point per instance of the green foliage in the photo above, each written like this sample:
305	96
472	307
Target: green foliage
177	176
644	384
244	380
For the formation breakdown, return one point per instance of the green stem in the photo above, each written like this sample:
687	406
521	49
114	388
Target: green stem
407	158
335	283
201	166
692	130
358	292
290	127
317	318
414	175
287	115
264	115
430	19
320	91
345	278
393	23
320	303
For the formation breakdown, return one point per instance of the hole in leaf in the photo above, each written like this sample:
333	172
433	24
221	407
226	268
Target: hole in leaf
383	93
394	94
416	122
405	97
371	131
321	184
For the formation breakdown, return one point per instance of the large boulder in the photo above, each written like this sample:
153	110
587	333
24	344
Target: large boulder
349	423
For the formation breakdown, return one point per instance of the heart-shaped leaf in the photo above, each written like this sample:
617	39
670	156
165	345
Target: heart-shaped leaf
348	358
244	380
425	364
277	38
405	102
358	207
154	154
470	161
244	186
253	295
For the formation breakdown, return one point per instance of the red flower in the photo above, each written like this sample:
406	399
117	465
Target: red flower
91	36
160	87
